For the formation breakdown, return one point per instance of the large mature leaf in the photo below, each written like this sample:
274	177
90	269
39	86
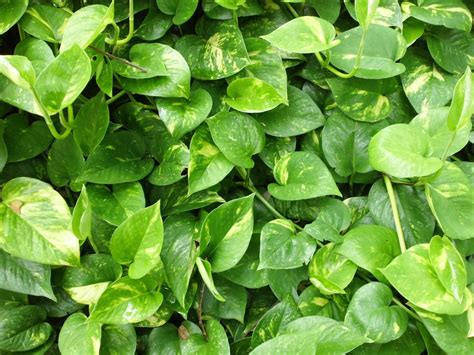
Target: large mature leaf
181	9
85	25
365	11
63	80
451	198
282	248
25	276
370	313
138	241
216	51
127	301
148	57
118	339
308	34
79	334
225	233
301	175
216	342
11	12
18	69
119	158
413	275
403	151
36	223
370	247
207	165
238	136
45	22
37	51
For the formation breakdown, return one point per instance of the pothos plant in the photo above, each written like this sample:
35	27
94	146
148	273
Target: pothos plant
236	176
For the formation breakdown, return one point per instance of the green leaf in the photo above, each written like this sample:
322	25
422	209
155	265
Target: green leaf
45	22
403	151
216	342
345	142
86	283
449	266
11	13
311	335
179	253
172	166
205	270
118	339
138	241
163	340
207	165
276	148
25	276
3	147
37	51
300	115
18	96
309	34
383	47
425	85
62	81
226	232
301	175
216	51
370	247
365	11
119	158
91	123
82	216
460	111
18	69
329	271
235	303
79	335
414	277
117	204
370	313
238	136
147	56
127	301
451	198
85	25
34	138
285	282
447	13
36	223
417	221
282	248
361	100
65	161
181	116
175	84
182	10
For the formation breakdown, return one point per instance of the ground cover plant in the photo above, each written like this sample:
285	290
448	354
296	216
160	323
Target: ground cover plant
236	176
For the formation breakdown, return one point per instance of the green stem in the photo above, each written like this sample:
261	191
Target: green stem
116	97
406	309
142	105
63	120
131	25
292	10
70	115
49	121
396	216
329	67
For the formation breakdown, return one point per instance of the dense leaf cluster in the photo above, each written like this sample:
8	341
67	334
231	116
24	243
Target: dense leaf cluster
236	176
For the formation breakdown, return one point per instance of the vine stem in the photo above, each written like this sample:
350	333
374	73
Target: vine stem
116	97
406	309
131	25
48	120
396	215
199	312
292	10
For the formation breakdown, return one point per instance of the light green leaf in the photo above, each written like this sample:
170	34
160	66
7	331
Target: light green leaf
82	216
19	275
282	248
62	81
370	314
331	272
308	34
361	100
460	111
207	165
91	123
119	158
302	175
86	283
19	70
205	270
238	136
403	151
252	95
11	12
216	51
451	199
138	241
148	56
36	223
181	116
365	11
118	339
179	253
425	85
127	301
37	51
85	25
216	343
117	204
226	232
45	22
300	115
447	13
80	335
414	278
18	97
